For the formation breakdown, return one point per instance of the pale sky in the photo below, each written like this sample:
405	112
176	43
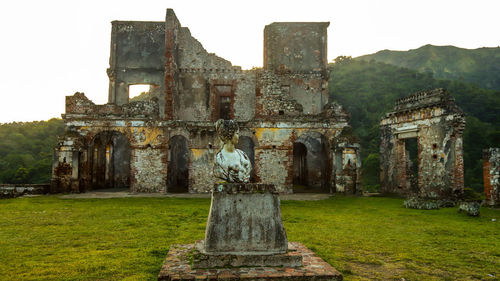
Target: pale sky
51	49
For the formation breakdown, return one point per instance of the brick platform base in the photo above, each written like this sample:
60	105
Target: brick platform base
177	266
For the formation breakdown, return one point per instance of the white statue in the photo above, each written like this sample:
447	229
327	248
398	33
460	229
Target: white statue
231	164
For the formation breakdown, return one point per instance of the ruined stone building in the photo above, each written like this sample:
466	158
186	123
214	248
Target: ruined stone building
491	176
421	147
296	138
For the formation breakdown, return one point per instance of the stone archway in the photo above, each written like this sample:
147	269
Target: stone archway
109	161
311	163
299	164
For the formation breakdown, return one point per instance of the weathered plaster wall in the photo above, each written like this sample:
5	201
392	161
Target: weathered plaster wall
196	98
310	90
296	46
137	57
437	124
297	53
491	174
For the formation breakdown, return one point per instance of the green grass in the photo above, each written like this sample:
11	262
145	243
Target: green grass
48	238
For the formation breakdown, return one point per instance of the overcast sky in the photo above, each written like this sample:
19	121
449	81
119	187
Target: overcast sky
51	49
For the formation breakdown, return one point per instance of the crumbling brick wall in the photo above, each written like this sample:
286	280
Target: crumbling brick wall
491	175
437	123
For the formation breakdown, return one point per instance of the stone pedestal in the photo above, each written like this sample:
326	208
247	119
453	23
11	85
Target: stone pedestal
245	219
178	267
245	239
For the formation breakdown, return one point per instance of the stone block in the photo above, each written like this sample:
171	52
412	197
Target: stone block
200	260
245	219
471	208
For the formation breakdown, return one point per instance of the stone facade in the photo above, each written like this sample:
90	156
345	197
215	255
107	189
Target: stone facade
437	124
295	138
491	173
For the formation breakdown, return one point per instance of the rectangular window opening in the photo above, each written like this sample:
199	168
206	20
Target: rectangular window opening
142	92
225	107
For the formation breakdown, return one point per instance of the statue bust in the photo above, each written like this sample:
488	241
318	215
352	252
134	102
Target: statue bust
231	164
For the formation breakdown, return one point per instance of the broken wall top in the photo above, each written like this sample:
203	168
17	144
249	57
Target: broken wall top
137	44
187	78
432	98
79	105
296	46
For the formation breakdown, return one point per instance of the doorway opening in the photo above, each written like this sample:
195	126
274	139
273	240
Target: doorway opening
110	161
178	172
411	157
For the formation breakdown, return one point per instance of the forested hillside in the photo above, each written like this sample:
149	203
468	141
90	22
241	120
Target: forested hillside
481	66
26	150
369	89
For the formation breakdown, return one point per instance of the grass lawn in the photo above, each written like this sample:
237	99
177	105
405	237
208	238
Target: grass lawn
48	238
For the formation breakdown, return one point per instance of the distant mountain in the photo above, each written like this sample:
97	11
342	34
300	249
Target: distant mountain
481	66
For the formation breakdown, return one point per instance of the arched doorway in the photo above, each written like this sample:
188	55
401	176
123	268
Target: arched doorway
110	161
299	164
247	145
311	164
178	173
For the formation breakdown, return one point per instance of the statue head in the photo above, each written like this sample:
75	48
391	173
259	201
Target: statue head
227	130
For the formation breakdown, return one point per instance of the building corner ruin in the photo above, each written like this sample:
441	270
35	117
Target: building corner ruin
431	167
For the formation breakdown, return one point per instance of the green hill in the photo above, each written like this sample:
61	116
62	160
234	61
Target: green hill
369	89
481	66
26	150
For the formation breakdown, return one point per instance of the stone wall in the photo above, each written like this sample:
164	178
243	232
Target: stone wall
137	57
433	119
149	170
273	165
295	52
296	46
16	190
197	93
200	170
491	173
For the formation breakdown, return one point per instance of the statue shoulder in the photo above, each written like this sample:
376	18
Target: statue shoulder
242	154
219	156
